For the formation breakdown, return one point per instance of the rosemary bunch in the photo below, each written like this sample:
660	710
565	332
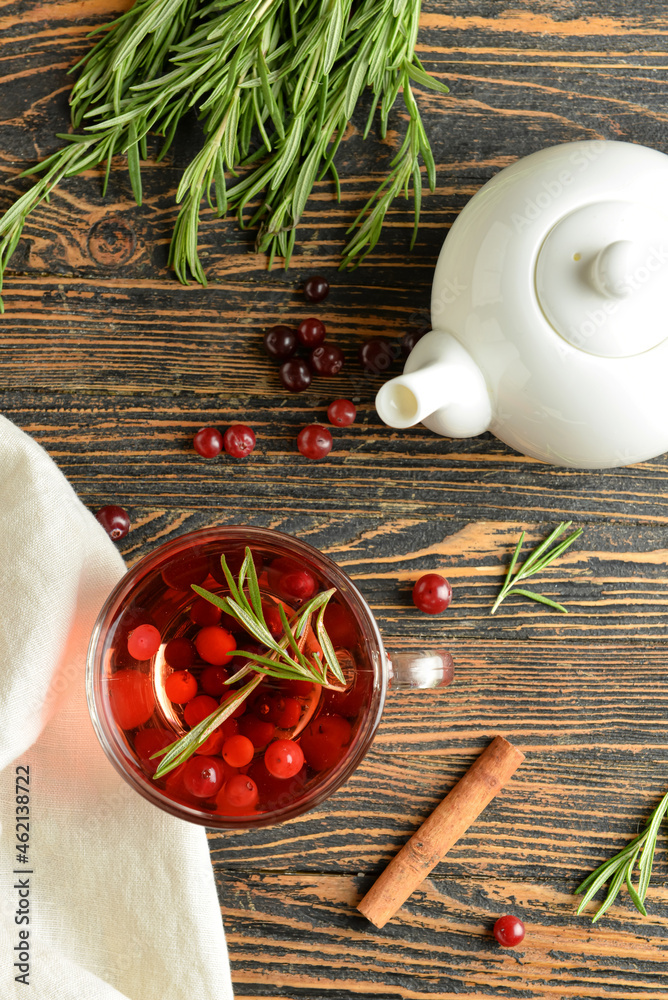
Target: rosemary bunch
285	658
619	869
541	557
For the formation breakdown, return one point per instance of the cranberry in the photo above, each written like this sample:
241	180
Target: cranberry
239	440
148	742
280	342
273	621
275	793
213	680
199	709
285	712
180	653
295	375
327	359
143	642
316	288
238	751
311	332
509	931
203	612
284	758
208	442
314	441
212	744
257	730
240	790
180	687
410	339
341	413
203	776
297	586
432	593
323	741
131	698
377	355
115	521
214	644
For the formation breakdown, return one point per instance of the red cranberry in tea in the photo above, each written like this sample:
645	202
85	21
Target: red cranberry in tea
230	727
203	776
509	931
316	288
180	653
149	741
285	712
280	342
203	612
180	687
131	698
208	442
326	359
240	790
297	586
257	730
144	642
212	680
199	709
262	707
341	413
295	375
273	620
238	751
300	689
212	745
323	741
239	440
432	593
284	758
115	521
377	355
314	441
311	332
214	645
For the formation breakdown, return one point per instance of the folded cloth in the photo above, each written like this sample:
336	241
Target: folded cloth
103	894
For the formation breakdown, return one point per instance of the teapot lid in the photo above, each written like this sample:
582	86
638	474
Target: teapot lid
600	278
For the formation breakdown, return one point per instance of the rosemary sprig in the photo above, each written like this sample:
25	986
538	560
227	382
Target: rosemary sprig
541	557
619	869
285	659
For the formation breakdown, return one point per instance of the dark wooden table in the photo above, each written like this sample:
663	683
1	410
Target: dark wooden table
112	366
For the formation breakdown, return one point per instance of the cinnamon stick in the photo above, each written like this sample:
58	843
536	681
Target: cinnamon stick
450	819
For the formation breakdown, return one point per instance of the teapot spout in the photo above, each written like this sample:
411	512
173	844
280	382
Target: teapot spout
441	386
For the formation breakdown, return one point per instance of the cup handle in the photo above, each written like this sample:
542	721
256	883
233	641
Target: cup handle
420	668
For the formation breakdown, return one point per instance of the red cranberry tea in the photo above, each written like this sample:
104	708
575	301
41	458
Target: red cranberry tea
257	729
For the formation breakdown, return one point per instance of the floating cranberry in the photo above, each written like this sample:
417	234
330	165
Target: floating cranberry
311	332
285	712
199	709
208	442
284	758
509	931
229	727
180	687
280	342
323	741
316	288
295	375
327	359
273	621
180	653
341	413
240	791
432	593
148	742
297	586
238	751
377	355
131	698
203	776
214	645
143	642
115	521
239	440
300	689
212	744
314	441
213	680
203	612
257	730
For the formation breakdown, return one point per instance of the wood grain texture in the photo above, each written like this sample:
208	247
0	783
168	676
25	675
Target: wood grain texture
113	366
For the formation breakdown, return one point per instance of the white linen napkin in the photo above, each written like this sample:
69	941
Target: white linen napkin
120	896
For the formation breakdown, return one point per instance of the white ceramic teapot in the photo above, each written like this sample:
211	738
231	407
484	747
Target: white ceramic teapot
550	312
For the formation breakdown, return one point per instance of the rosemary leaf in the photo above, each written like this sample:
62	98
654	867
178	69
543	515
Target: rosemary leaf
541	557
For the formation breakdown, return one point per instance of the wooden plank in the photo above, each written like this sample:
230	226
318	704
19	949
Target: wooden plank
439	945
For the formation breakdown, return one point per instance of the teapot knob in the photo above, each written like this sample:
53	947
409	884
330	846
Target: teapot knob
611	268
